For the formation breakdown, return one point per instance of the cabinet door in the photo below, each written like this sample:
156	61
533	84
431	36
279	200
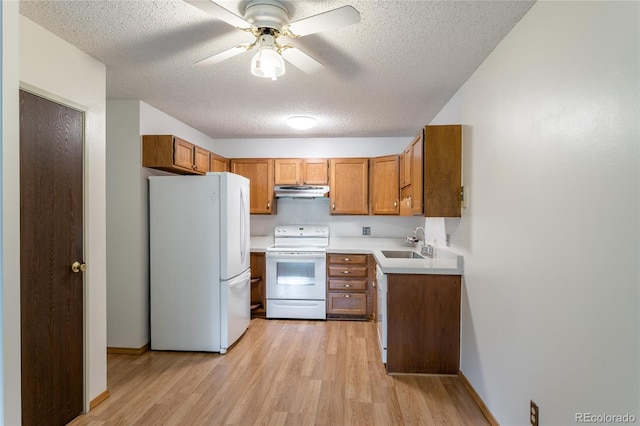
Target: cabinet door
385	188
183	154
442	171
349	193
259	171
405	176
316	171
288	171
423	323
347	304
200	160
416	175
218	163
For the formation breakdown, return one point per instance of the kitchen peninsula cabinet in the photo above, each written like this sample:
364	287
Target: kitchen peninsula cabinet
298	171
172	154
349	182
385	190
347	286
259	171
423	323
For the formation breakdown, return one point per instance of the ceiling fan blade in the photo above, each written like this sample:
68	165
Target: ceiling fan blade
302	61
224	55
330	20
217	11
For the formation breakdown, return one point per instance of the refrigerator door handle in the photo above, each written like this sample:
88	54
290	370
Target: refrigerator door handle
243	227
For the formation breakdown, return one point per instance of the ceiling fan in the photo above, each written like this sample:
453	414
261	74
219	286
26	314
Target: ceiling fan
268	20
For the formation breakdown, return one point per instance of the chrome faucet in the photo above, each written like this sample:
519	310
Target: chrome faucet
415	239
415	234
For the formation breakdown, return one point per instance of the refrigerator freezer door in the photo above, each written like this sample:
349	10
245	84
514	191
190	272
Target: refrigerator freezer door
235	225
184	266
236	311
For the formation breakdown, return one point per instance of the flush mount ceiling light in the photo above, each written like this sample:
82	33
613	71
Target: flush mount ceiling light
301	122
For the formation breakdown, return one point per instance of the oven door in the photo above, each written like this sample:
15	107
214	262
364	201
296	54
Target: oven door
296	275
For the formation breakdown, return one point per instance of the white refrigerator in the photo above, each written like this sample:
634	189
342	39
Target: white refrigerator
199	261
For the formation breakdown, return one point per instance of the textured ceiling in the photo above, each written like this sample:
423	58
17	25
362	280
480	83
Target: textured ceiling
388	75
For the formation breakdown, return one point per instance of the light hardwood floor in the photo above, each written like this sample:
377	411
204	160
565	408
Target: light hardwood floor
280	372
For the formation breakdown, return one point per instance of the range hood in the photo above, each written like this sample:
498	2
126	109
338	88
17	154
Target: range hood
300	191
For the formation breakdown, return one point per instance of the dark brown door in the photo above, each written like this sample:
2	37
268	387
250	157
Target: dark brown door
51	294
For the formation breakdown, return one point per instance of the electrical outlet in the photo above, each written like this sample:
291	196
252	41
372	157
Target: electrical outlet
534	413
366	230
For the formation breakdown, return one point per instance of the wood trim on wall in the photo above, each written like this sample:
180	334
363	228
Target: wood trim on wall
128	351
485	410
99	399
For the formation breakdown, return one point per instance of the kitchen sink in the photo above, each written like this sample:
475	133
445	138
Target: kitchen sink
401	254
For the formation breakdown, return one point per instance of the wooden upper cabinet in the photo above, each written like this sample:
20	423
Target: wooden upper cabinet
200	160
259	171
172	154
349	183
405	167
385	190
288	171
298	171
442	171
417	174
315	171
218	163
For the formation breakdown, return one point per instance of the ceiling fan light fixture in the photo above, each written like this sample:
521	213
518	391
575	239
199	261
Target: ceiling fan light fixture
301	122
267	62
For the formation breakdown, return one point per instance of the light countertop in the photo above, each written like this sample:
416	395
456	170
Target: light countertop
445	263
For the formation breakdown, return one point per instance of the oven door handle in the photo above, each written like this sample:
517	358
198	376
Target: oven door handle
295	255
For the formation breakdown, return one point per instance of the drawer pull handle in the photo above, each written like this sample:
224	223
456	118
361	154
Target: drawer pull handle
346	272
346	259
347	285
347	295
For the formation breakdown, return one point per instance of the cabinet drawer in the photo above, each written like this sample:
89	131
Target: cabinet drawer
347	303
352	285
360	259
347	271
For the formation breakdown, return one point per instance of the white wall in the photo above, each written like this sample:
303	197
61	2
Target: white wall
53	67
10	214
127	216
311	147
551	233
127	273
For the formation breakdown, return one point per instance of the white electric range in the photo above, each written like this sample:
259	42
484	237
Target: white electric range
296	272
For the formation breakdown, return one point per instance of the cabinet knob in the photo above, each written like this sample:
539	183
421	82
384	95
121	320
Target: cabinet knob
346	259
333	206
268	205
347	285
346	272
395	203
347	295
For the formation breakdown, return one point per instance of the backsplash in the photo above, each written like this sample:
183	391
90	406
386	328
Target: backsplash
316	211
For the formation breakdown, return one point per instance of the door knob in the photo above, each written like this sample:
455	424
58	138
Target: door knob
78	267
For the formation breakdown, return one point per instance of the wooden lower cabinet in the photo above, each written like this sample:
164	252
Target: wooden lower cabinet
348	290
258	285
423	323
